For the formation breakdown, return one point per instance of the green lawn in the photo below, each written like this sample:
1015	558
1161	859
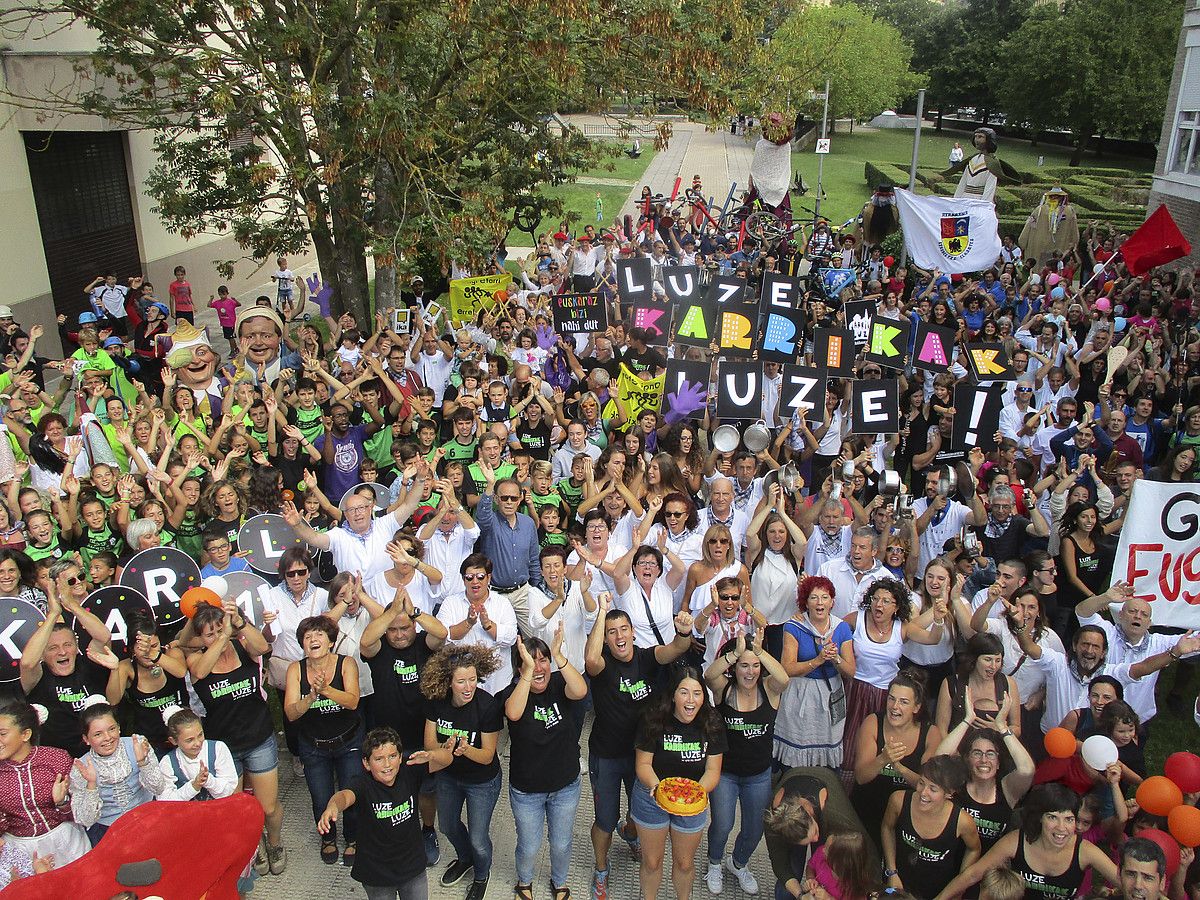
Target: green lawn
846	190
579	199
625	168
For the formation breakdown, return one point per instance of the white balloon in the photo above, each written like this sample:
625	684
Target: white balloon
216	584
1098	268
1035	278
1099	752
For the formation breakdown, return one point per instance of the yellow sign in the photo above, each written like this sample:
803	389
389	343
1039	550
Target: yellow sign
469	295
637	395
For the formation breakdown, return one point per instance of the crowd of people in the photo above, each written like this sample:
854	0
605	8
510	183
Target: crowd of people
494	552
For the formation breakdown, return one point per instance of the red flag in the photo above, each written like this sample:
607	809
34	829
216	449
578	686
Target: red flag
1157	241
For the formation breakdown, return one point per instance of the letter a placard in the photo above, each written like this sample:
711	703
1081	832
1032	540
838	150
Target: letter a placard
934	349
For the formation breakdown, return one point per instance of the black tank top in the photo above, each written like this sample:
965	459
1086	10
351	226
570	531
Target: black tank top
870	799
991	819
958	699
1047	887
927	865
148	707
750	734
237	711
326	719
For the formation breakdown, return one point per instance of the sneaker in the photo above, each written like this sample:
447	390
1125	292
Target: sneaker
715	879
277	858
455	871
745	877
635	843
433	851
477	890
297	767
600	885
261	866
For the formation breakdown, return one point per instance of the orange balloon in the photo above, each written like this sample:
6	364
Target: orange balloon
1060	743
1184	822
193	597
288	495
1159	795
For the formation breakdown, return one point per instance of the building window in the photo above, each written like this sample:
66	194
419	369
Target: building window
1185	160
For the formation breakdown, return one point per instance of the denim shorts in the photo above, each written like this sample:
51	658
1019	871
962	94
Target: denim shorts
646	813
258	760
607	775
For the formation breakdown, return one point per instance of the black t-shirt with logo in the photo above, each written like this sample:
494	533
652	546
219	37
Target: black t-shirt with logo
483	714
621	693
544	755
682	750
649	360
63	698
398	701
390	848
535	440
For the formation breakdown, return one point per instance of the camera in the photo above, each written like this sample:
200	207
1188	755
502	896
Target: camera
970	543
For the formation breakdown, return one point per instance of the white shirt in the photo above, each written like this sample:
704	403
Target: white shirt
423	594
941	527
500	611
222	779
577	621
1139	692
662	608
1065	690
350	631
816	553
689	547
1028	677
1041	445
367	553
600	580
290	614
435	371
445	551
111	299
849	585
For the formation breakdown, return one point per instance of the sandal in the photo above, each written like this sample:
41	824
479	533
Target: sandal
329	853
348	854
523	892
561	893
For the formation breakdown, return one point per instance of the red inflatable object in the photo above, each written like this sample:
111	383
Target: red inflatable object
1183	768
1169	846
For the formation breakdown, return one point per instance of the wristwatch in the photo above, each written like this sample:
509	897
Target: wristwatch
889	873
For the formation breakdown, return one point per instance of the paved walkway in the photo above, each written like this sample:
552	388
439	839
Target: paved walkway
307	878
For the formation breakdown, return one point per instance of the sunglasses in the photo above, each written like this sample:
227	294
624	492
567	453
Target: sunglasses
674	514
509	497
475	576
719	541
72	580
296	573
729	597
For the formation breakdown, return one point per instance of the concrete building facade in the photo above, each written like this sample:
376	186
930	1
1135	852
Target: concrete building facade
1177	170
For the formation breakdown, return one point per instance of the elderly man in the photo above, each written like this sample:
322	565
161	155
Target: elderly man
509	540
721	511
359	544
480	615
853	574
1004	533
1014	416
830	538
1129	640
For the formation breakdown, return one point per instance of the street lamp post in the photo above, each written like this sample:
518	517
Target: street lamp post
821	156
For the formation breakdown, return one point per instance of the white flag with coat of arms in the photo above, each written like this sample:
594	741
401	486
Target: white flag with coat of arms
953	234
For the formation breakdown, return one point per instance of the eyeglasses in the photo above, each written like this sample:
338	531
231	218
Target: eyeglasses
984	754
508	497
296	573
597	526
675	513
1024	390
729	597
350	509
475	576
1049	570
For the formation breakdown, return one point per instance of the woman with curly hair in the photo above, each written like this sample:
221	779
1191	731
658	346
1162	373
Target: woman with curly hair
225	506
463	722
680	736
818	653
683	442
880	627
265	494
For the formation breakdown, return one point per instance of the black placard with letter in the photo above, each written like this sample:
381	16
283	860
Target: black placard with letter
887	343
161	575
803	388
635	280
739	391
875	406
977	415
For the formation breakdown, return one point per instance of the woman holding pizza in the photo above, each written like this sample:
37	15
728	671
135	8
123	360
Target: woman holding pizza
681	736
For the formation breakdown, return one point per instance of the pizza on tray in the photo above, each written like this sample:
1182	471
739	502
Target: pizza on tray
681	796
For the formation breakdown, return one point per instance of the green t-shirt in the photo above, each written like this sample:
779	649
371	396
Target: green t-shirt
309	422
454	451
573	495
93	542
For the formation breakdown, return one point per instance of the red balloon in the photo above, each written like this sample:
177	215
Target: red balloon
1158	795
193	597
1184	822
1060	743
1170	846
889	261
1183	768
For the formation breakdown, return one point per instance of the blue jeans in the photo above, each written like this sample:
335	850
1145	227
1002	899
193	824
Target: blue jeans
607	777
416	888
530	812
473	843
320	768
754	791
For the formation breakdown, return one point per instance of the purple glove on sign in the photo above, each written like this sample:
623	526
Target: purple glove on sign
688	400
320	297
546	338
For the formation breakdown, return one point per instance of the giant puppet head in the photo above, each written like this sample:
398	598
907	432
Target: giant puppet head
879	217
192	356
984	140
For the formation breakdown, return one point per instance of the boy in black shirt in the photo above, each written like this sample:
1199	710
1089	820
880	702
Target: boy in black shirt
390	859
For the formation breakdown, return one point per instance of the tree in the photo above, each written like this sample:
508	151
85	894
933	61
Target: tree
391	127
1101	66
866	59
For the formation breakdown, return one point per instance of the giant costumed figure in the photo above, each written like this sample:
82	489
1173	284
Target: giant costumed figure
771	168
983	170
194	362
1052	226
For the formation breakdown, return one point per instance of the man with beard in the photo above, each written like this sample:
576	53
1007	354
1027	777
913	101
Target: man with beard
54	675
396	654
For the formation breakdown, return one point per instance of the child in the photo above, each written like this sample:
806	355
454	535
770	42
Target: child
839	869
94	533
550	531
571	489
541	491
226	308
391	856
1119	722
197	769
102	571
181	297
350	352
1002	884
221	560
284	280
306	414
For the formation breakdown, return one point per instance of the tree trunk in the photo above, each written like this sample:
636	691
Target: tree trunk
938	124
385	264
1081	145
